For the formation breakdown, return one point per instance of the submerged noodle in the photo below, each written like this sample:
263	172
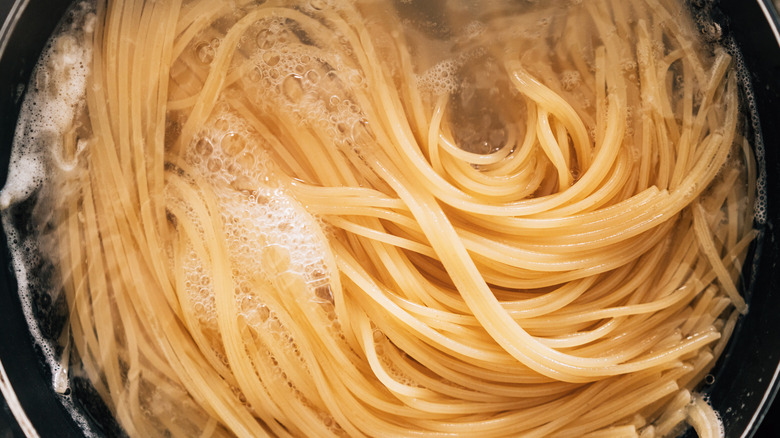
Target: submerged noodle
283	221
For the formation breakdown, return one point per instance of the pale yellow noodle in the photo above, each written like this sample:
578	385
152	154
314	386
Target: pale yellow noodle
574	281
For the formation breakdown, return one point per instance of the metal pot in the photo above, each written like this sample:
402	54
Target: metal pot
746	378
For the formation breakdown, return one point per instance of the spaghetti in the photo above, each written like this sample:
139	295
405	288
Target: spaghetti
326	219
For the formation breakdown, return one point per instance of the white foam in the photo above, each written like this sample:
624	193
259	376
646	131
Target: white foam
440	79
270	236
55	95
25	176
56	92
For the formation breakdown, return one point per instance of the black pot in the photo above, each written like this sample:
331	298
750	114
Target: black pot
746	378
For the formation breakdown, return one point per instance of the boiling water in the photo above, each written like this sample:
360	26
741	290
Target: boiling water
282	73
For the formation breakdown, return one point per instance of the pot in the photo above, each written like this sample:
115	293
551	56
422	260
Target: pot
746	378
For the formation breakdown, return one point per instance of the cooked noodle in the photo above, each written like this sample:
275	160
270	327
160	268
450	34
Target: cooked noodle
279	223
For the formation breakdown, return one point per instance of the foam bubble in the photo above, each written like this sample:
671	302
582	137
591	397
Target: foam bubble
441	78
270	237
54	98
